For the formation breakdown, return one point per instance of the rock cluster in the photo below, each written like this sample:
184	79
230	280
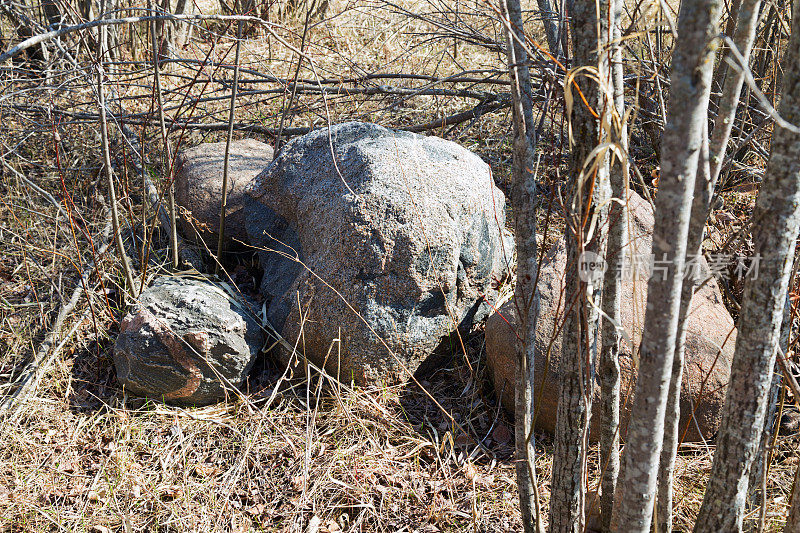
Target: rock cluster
375	246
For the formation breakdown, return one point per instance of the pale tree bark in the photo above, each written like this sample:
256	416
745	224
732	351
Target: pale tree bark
692	68
758	472
608	365
703	188
708	172
756	484
172	35
776	219
743	37
164	32
523	198
183	31
586	205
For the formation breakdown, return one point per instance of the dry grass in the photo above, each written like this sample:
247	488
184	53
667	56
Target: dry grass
360	460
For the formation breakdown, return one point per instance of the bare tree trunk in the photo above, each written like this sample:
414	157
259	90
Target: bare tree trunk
708	173
700	207
609	369
172	35
587	206
692	67
776	219
758	471
166	32
550	20
183	31
524	203
743	38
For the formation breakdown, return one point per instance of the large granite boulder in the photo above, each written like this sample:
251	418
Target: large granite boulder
185	341
385	240
709	328
198	188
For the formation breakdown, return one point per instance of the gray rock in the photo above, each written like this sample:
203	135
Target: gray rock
394	240
198	188
185	341
710	341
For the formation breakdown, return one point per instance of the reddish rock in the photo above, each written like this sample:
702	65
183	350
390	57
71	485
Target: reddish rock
198	188
709	327
186	341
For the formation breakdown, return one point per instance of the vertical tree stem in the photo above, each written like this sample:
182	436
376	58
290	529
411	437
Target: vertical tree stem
550	20
225	168
692	68
524	203
589	191
776	219
708	173
112	191
743	38
609	369
669	451
173	230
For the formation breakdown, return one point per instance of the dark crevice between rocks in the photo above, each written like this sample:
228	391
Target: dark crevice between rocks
458	382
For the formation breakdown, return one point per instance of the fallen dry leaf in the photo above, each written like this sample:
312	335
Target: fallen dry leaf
206	470
501	434
330	527
314	524
298	482
169	492
470	472
256	510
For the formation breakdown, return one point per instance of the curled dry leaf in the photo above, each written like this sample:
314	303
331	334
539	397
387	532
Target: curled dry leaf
169	492
474	475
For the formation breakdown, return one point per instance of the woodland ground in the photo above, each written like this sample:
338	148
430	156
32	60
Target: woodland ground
299	455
